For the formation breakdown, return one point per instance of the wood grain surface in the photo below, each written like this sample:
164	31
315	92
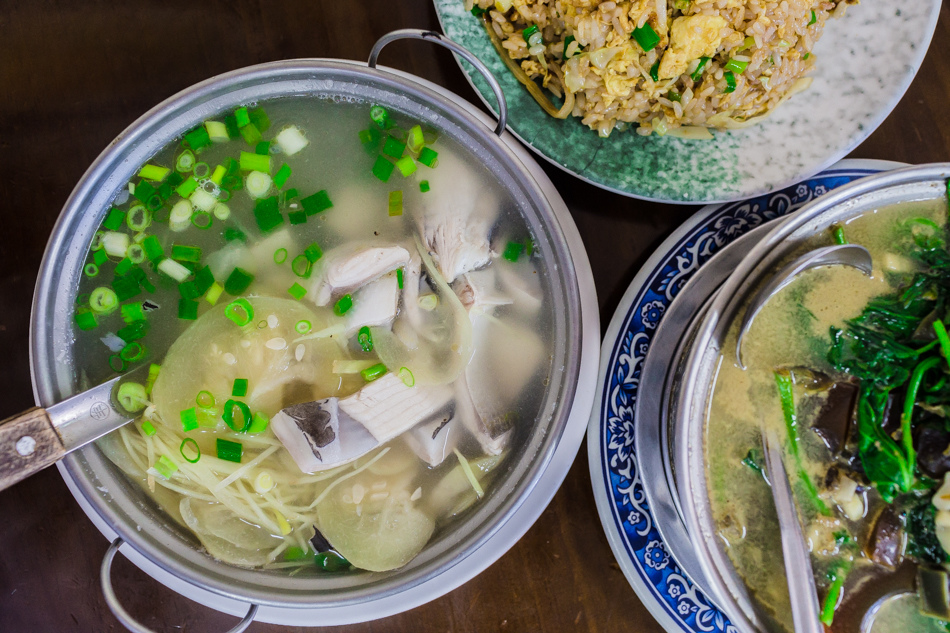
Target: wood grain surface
74	73
28	443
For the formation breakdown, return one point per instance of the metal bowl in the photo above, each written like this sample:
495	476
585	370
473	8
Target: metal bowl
684	370
172	554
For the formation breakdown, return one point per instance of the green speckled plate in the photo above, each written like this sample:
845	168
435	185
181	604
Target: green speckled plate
866	61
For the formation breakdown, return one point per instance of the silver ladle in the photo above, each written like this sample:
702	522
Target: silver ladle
798	571
838	255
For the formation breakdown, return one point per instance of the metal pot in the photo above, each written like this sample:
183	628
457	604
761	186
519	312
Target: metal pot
681	366
169	552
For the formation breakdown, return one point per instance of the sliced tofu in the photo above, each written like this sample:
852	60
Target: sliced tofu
376	303
387	407
348	270
691	37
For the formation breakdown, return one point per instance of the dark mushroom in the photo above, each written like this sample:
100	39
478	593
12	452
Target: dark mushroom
833	423
933	587
932	443
886	541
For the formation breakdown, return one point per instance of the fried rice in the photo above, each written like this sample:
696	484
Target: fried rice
674	67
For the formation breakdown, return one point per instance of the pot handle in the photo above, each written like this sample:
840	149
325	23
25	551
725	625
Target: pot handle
105	578
441	40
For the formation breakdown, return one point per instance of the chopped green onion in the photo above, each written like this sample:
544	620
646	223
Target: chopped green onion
258	423
301	266
189	441
220	171
201	219
214	293
280	255
837	233
239	388
135	254
228	415
313	252
655	71
204	279
477	11
153	248
198	138
217	131
259	118
512	251
806	56
672	95
262	148
184	253
297	291
365	339
383	168
204	399
282	175
399	277
189	419
646	37
100	257
528	32
132	312
297	217
153	172
115	244
393	147
331	562
370	139
429	157
132	352
85	320
699	69
406	165
133	331
372	373
736	66
267	214
415	139
174	270
303	326
123	268
240	311
730	81
143	191
395	203
187	309
228	450
814	18
424	186
185	161
238	281
429	302
241	117
258	184
343	305
251	135
148	428
317	202
125	287
131	396
117	364
379	116
567	44
406	377
113	220
103	301
153	371
165	467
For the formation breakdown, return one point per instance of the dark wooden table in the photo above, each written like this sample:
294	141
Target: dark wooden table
74	74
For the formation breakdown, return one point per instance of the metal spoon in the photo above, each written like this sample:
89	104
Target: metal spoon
838	255
798	571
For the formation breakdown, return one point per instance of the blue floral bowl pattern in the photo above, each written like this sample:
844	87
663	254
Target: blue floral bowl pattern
663	587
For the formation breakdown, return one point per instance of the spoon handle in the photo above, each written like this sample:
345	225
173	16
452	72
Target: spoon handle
28	443
798	571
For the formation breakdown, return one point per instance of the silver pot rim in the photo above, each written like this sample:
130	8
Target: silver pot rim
49	376
911	183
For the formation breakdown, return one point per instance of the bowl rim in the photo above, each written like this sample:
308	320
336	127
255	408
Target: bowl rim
44	392
702	362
